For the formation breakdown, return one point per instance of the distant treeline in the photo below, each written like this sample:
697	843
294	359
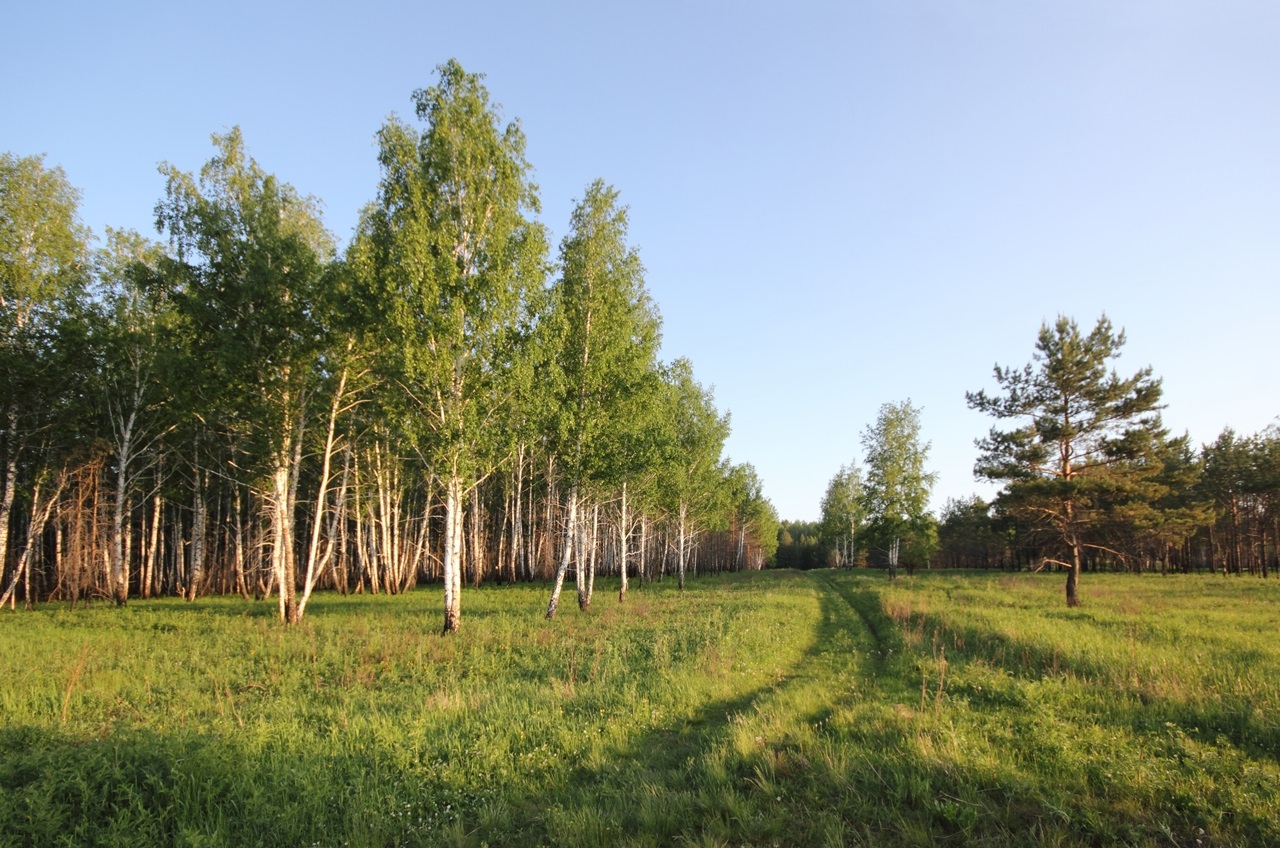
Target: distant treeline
1222	513
247	409
1218	509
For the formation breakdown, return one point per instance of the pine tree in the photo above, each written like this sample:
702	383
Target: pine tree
1084	440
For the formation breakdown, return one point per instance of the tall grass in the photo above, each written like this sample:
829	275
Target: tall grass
775	708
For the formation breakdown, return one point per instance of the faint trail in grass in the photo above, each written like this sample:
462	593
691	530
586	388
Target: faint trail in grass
716	776
868	607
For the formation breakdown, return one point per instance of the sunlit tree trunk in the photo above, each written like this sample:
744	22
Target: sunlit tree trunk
315	562
588	581
452	554
9	493
281	541
150	580
237	543
566	554
622	547
643	566
680	562
42	503
119	577
517	523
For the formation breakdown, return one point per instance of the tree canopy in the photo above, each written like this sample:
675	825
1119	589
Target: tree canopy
245	408
1084	441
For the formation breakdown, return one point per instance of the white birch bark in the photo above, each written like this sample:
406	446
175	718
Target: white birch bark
10	488
199	524
684	510
452	554
42	504
565	554
124	457
591	558
622	546
281	539
517	524
314	563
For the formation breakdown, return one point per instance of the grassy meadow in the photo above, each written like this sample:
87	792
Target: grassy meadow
774	708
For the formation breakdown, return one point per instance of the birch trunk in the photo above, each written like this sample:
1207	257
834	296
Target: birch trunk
565	555
684	510
460	555
314	564
584	600
452	566
237	545
281	541
119	569
622	547
151	584
199	520
40	511
580	566
10	487
517	524
642	568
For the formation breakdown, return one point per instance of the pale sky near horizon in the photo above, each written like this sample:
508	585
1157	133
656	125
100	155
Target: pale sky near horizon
838	204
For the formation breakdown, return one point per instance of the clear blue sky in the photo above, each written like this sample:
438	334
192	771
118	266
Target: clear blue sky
839	204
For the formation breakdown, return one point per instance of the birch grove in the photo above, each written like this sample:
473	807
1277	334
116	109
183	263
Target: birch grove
242	408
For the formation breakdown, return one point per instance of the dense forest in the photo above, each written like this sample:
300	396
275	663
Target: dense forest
241	407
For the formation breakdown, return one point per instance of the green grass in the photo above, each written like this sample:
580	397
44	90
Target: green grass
778	708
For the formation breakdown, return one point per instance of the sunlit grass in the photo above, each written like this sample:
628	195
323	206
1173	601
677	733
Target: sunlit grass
791	709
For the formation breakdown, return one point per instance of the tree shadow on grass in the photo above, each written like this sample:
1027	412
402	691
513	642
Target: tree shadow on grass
856	765
695	781
203	786
901	771
1134	707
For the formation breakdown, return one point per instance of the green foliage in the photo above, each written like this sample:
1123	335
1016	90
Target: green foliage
774	707
46	356
968	534
843	514
1085	441
694	439
800	545
44	260
896	493
749	507
249	254
44	271
607	332
449	259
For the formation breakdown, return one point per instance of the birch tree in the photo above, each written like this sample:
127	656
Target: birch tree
249	257
450	251
896	494
843	513
608	334
696	435
44	264
754	521
135	394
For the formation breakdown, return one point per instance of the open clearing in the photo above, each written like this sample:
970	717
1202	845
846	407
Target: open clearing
765	708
